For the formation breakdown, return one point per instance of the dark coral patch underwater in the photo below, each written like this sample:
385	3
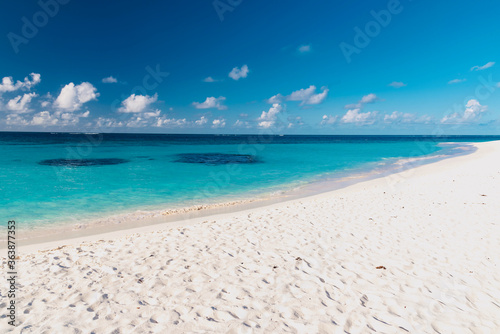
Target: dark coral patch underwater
216	159
82	162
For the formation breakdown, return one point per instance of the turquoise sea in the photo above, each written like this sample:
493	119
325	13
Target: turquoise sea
57	178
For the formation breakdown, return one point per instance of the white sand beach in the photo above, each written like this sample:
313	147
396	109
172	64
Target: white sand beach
415	252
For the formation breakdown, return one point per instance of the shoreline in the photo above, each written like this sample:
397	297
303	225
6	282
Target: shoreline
166	218
232	204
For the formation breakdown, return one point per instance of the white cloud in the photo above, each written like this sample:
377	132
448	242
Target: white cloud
329	119
242	124
109	79
102	122
485	66
209	79
8	84
278	98
211	102
304	48
302	94
70	118
218	123
317	98
238	73
137	103
266	124
308	95
473	111
20	103
454	81
45	118
141	121
171	122
400	117
202	121
269	118
16	119
151	114
354	114
136	122
397	84
357	117
370	98
73	97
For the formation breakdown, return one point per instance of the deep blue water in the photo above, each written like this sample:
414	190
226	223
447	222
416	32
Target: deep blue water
48	178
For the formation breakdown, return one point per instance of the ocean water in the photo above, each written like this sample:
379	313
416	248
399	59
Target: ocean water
57	178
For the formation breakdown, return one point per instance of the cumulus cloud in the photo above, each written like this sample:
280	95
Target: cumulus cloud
103	122
308	95
211	102
8	84
16	119
45	118
202	121
151	114
218	123
238	73
454	81
304	48
397	84
171	122
359	118
473	112
268	118
485	66
109	79
329	119
302	94
278	98
370	98
137	103
147	119
137	121
73	97
20	103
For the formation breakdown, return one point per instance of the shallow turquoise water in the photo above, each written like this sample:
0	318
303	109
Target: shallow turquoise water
152	175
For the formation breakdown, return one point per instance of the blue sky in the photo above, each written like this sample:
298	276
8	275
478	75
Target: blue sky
240	66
